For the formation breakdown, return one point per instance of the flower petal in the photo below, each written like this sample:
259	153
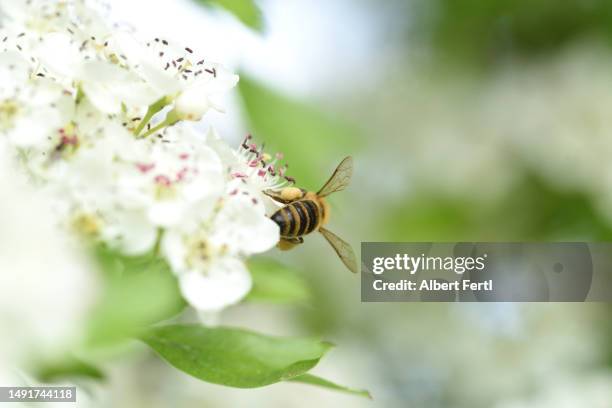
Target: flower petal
59	54
108	87
174	250
243	227
196	100
167	213
225	283
137	234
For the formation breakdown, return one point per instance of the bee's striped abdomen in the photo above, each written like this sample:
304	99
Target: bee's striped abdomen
297	218
314	215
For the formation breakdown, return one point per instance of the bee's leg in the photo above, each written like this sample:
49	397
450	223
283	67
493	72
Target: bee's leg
286	195
276	196
286	244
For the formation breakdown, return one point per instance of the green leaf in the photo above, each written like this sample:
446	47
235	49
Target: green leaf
234	357
488	32
140	291
244	10
68	368
115	264
310	139
321	382
274	282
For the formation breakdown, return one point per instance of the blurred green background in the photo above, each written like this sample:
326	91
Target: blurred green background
468	120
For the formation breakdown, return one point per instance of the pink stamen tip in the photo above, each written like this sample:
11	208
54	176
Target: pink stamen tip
69	140
163	180
238	175
184	156
253	163
233	192
261	173
145	167
180	176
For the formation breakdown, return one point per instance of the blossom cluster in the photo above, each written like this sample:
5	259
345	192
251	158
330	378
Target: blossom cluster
103	124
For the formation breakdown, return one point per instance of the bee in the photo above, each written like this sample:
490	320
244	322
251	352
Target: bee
307	211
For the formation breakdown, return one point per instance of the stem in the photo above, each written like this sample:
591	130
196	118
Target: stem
151	111
160	233
170	120
79	96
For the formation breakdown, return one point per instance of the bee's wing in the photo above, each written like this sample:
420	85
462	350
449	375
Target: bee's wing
340	179
342	248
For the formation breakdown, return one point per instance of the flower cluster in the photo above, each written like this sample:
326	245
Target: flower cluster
101	122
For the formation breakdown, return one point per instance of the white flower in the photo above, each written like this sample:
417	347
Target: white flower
188	81
30	108
251	169
59	54
46	283
99	122
198	98
39	17
179	171
226	282
73	44
242	227
207	251
201	248
111	88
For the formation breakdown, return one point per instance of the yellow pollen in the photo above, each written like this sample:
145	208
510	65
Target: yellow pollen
164	192
87	224
199	252
8	111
